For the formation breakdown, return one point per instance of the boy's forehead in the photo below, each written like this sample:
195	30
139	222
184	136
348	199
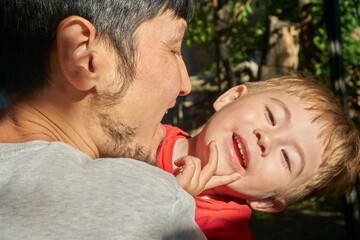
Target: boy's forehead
278	95
286	98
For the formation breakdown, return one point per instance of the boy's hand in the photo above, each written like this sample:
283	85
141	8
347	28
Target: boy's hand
194	179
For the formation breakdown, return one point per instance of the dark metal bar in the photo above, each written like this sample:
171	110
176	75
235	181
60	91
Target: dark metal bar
334	42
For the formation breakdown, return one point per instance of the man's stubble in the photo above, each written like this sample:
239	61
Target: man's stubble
120	140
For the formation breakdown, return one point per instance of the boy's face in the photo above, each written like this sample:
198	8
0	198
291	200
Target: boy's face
267	137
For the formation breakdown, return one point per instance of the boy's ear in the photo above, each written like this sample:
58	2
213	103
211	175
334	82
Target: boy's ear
270	205
229	96
75	43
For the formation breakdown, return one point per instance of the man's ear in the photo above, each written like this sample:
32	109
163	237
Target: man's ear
75	39
229	96
270	205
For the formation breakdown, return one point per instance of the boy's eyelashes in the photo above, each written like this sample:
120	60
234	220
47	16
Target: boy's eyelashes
270	116
285	159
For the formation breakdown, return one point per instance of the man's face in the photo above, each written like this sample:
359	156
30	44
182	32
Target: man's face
268	138
161	76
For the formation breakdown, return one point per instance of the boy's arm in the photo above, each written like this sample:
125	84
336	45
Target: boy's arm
196	180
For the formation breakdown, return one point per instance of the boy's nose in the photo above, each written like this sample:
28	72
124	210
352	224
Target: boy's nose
263	141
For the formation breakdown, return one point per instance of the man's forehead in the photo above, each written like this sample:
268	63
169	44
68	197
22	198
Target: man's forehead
169	24
177	27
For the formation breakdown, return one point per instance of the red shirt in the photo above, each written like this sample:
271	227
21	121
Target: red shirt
221	218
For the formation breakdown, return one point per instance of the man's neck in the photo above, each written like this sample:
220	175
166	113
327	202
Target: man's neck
36	121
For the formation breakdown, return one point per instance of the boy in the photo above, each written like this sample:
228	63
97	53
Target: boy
287	137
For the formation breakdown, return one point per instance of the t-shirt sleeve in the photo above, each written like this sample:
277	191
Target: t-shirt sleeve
165	149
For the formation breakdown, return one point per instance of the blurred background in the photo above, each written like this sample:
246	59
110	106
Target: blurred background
231	42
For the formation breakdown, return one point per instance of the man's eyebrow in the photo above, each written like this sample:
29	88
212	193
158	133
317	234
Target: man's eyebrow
284	107
179	33
183	30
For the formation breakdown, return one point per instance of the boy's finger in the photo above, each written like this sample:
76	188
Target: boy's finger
180	161
188	166
178	170
222	180
210	168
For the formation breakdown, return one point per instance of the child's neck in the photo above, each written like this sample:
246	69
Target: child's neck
184	147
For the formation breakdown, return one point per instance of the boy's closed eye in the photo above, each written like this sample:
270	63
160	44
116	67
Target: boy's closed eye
285	159
270	116
284	156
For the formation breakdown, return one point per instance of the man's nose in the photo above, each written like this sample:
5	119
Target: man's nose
264	141
185	86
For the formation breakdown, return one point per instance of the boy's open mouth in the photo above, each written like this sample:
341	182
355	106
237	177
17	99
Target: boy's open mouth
240	151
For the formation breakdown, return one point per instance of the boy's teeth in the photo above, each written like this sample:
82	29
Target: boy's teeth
241	152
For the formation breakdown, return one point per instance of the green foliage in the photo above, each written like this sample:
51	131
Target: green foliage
201	27
284	10
349	19
244	37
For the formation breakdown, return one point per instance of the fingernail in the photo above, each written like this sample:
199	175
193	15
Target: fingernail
261	205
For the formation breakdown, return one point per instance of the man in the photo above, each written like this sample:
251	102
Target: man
88	83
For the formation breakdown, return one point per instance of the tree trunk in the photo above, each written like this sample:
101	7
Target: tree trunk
222	24
306	33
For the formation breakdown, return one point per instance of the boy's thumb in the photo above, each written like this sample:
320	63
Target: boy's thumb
216	181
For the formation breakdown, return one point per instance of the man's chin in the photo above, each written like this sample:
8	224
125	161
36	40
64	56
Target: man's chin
142	154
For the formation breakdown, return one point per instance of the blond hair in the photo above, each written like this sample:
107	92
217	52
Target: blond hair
341	158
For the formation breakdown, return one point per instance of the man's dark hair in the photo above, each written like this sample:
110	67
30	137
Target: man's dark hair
28	29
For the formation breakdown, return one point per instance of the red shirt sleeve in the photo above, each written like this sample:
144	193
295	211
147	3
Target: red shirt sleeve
165	149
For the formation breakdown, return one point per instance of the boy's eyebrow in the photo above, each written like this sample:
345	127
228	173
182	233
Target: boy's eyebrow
296	145
284	107
302	158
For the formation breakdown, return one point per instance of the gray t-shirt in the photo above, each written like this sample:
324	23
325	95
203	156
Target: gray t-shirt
49	190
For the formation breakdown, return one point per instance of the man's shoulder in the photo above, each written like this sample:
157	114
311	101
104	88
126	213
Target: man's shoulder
134	172
65	189
41	155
